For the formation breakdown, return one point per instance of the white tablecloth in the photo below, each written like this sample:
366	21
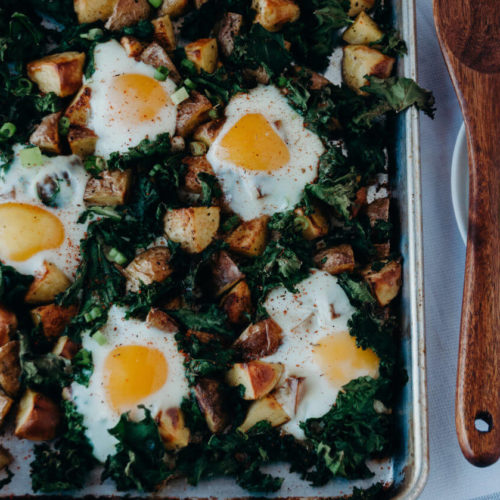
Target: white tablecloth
451	476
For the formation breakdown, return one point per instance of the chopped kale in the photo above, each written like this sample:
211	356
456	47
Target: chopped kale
212	320
13	286
83	367
356	290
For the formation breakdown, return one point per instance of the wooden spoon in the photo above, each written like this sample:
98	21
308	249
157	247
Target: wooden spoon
469	35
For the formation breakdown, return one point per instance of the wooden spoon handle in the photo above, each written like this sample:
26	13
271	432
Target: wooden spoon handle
477	410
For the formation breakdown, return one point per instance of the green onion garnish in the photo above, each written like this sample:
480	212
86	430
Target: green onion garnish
99	338
94	313
64	124
197	148
7	130
161	73
114	255
180	95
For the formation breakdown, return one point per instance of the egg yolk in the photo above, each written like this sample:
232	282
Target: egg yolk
254	145
26	230
341	360
135	98
133	372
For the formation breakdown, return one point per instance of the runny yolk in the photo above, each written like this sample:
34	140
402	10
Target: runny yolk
26	230
254	145
133	372
135	98
341	360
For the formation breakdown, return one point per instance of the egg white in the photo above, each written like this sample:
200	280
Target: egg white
19	184
110	60
252	193
305	318
91	401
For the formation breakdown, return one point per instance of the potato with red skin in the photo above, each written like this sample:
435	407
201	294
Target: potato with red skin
191	113
225	272
268	409
8	325
46	135
65	348
79	110
132	46
257	377
172	429
208	132
211	403
316	224
336	260
195	165
81	141
5	405
229	28
291	393
53	318
89	11
250	237
161	320
110	189
48	283
155	55
274	14
10	369
378	210
173	8
164	33
126	13
259	340
237	304
148	267
386	282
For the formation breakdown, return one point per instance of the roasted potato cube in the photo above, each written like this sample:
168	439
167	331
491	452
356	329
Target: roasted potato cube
274	14
127	12
173	8
89	11
316	224
149	266
37	418
257	377
172	429
291	393
59	73
8	325
164	33
382	250
194	166
155	55
267	409
229	29
360	61
259	340
81	141
46	135
237	304
79	109
132	46
10	370
208	132
161	320
110	189
336	260
194	228
203	53
5	406
53	318
5	457
210	401
378	210
49	282
359	5
65	348
363	31
386	282
191	113
250	237
225	272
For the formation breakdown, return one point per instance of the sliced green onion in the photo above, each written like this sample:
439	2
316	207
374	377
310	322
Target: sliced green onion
189	84
114	255
301	222
155	3
156	168
64	125
213	114
161	73
8	130
99	338
31	157
197	148
106	212
92	34
180	95
94	313
282	81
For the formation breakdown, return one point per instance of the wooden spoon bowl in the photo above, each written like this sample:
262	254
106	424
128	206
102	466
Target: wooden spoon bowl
469	35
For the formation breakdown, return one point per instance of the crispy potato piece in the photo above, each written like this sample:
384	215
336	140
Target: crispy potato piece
127	12
173	8
79	109
384	283
360	61
207	392
229	28
336	260
363	31
89	11
257	377
155	55
274	14
194	228
161	320
259	340
164	33
250	237
59	73
8	325
65	348
10	369
5	406
203	53
172	428
290	394
49	282
208	132
191	113
266	408
81	141
37	418
359	5
225	272
378	210
194	166
46	135
316	223
382	249
5	457
110	189
237	304
148	267
132	46
53	318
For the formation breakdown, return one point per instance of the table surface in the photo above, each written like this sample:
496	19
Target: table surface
451	476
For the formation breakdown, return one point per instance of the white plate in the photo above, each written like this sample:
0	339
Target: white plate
460	182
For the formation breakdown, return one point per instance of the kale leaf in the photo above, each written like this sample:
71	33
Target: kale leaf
212	320
13	286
